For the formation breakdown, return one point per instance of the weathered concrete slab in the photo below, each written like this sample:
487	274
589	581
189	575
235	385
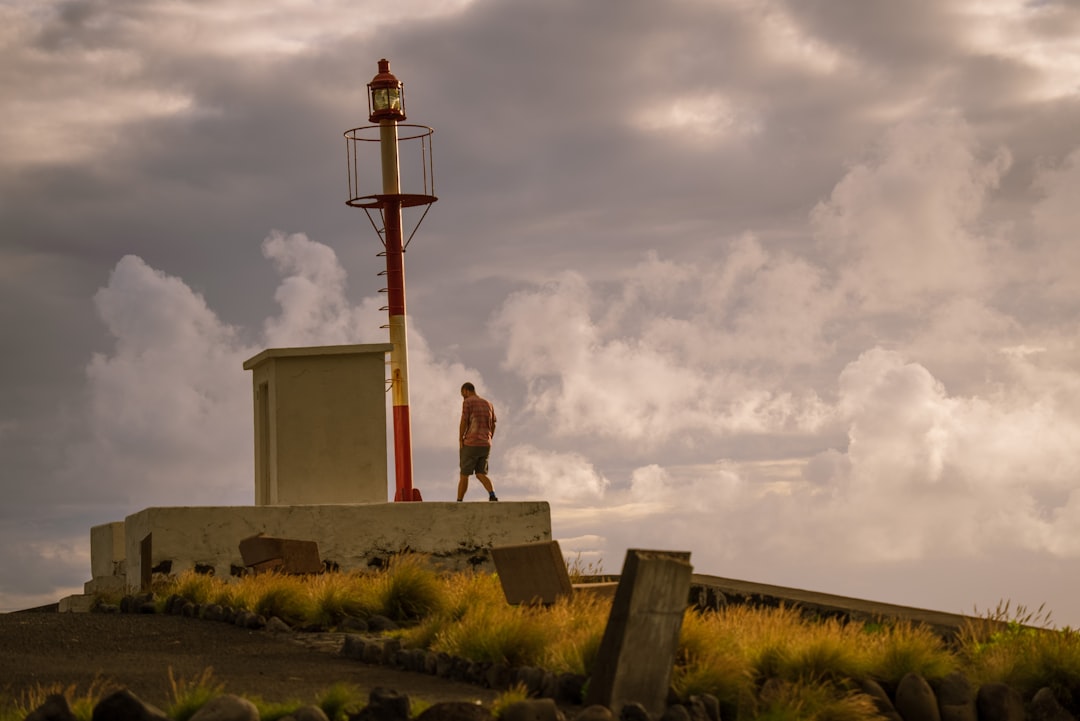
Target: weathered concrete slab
532	573
715	591
637	652
455	536
107	549
536	573
75	604
285	555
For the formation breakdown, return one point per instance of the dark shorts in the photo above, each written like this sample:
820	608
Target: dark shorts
473	459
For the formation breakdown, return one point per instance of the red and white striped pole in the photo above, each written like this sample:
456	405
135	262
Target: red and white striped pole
387	109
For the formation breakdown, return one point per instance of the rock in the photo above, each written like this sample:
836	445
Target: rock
390	647
498	676
123	705
881	699
540	709
531	678
351	624
915	700
550	687
214	612
633	712
54	708
373	652
675	712
709	705
444	664
954	690
596	712
998	702
460	669
1044	706
276	625
455	711
570	689
378	624
227	707
309	713
384	705
956	698
353	646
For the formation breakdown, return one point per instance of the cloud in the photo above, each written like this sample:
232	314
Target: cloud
661	357
164	408
560	478
168	414
902	224
1056	246
313	307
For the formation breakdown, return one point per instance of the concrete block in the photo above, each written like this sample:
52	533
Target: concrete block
637	652
320	424
75	604
286	555
454	536
106	548
105	584
532	572
603	589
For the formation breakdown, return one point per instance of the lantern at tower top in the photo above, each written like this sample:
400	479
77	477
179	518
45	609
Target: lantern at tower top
386	95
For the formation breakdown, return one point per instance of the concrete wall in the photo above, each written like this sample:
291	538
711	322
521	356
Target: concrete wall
107	549
320	424
455	535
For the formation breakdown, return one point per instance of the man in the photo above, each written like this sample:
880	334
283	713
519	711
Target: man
474	440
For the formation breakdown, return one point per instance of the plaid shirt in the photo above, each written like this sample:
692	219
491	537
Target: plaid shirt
478	418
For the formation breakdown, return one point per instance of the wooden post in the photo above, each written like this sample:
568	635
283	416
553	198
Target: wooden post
637	653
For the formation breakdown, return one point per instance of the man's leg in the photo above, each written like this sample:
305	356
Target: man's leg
486	483
462	486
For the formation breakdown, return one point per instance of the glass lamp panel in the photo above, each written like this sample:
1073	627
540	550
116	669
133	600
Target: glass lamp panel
380	98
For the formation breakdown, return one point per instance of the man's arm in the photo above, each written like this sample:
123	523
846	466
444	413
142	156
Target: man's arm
461	430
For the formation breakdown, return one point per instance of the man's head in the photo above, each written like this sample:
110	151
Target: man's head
467	389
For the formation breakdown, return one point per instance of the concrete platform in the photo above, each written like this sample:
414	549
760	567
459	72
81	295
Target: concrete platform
455	536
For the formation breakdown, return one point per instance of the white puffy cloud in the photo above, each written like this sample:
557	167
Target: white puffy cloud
163	406
311	296
901	224
560	478
661	357
169	407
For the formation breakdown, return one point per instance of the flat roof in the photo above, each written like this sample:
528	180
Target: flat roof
316	350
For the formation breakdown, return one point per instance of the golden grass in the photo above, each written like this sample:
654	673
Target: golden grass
765	663
18	706
186	696
514	694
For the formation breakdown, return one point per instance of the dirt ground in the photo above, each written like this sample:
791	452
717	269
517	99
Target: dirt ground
42	650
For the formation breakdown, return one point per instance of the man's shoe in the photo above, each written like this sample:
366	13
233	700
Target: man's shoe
493	497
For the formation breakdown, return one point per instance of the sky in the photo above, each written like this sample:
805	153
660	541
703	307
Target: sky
788	284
